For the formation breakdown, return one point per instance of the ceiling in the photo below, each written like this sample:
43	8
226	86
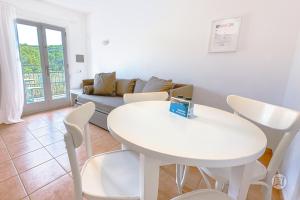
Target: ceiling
78	5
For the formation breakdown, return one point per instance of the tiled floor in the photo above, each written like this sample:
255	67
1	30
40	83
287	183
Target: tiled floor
34	164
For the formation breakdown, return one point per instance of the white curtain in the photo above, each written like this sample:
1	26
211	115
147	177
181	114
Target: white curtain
11	82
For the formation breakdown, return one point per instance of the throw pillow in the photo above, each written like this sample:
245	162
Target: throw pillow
105	84
139	86
87	82
88	89
125	86
157	85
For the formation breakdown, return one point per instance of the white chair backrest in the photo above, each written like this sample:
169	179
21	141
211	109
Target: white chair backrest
148	96
76	124
76	121
271	116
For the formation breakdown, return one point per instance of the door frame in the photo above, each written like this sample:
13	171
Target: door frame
49	103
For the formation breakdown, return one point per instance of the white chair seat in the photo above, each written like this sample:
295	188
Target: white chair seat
223	174
203	195
111	175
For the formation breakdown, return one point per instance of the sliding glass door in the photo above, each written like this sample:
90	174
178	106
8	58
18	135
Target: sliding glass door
44	63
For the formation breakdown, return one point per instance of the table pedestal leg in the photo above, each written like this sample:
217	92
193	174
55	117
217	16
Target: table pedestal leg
181	173
149	178
239	181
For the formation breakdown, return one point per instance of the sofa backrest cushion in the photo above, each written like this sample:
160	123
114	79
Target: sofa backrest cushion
157	85
139	85
105	84
125	86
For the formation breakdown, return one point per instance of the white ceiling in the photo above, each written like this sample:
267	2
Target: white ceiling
78	5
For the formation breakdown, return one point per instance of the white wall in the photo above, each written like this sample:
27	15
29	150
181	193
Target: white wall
73	22
170	39
292	96
291	164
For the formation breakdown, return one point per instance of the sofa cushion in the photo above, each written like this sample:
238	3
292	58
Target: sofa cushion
87	82
105	84
157	85
103	103
88	89
125	86
139	85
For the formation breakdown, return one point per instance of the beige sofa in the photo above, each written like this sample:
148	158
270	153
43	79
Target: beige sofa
105	104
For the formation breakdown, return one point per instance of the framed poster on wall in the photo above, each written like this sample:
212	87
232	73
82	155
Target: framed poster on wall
225	35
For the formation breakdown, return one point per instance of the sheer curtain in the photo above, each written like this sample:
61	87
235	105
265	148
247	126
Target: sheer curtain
11	82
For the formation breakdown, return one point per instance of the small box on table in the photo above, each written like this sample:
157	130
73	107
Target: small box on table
182	107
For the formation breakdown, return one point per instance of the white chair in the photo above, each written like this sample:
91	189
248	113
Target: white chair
112	175
203	195
278	118
148	96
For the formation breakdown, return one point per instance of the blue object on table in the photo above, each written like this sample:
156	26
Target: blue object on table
181	107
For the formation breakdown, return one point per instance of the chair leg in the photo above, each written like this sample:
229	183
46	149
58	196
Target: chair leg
78	196
208	185
124	147
181	173
74	167
219	186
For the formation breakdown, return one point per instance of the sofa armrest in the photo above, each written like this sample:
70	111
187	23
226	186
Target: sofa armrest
186	91
87	86
87	82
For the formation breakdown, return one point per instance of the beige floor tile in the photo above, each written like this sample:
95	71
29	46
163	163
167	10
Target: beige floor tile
41	175
22	148
54	117
35	117
12	189
48	130
36	124
51	138
97	132
104	144
17	137
60	126
31	159
167	185
57	148
7	170
2	145
63	160
4	128
4	155
60	189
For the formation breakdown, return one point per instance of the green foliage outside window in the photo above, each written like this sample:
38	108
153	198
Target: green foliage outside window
31	59
32	71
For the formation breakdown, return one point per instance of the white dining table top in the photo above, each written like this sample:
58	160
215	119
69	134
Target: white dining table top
212	138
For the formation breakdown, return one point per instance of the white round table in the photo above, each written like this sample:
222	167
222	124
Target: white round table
213	138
